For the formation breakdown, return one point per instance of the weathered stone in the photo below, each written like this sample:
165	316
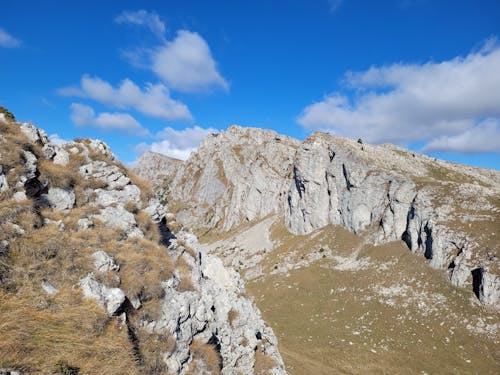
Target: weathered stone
84	224
49	288
129	193
118	217
110	298
4	185
61	156
104	262
59	199
110	174
33	133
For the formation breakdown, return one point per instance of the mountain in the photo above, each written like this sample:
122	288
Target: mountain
96	277
342	242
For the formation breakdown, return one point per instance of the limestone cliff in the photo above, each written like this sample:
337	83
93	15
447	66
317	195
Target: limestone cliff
447	212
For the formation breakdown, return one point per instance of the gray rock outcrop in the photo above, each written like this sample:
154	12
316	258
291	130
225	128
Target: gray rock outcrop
236	176
243	174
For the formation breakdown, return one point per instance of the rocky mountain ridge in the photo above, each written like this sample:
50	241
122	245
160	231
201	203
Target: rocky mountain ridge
446	212
81	236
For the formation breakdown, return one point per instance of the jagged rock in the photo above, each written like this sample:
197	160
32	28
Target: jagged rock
30	164
129	193
110	298
34	134
4	248
49	288
58	223
19	196
490	289
203	315
110	174
214	270
4	185
157	168
59	199
243	175
104	262
155	210
118	217
61	156
3	371
236	176
49	151
84	224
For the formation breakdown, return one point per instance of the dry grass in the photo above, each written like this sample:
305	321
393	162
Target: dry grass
58	175
232	315
76	333
208	356
145	186
184	270
148	227
153	347
143	265
263	362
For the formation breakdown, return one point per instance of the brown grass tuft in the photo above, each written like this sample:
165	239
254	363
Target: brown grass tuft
58	175
232	315
263	362
207	354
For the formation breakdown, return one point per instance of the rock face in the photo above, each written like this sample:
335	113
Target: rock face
112	248
157	168
242	175
236	176
397	194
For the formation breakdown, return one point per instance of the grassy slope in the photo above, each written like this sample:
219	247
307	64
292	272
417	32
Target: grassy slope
394	314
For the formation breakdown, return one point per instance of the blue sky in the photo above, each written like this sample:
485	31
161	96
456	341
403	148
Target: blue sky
161	75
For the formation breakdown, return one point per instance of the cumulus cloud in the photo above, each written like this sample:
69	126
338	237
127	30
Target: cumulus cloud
151	20
177	144
57	140
84	115
154	100
7	40
485	137
186	64
404	103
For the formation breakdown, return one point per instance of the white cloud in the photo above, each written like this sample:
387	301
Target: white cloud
57	140
83	115
177	144
7	40
154	100
151	20
403	103
485	137
186	64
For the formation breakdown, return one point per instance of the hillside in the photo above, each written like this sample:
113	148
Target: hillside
96	277
376	247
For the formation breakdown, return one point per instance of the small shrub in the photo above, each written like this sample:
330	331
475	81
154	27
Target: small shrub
8	115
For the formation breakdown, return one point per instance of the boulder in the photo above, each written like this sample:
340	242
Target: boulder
110	298
59	199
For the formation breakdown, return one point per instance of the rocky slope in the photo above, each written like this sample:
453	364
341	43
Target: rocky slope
439	209
334	241
94	278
